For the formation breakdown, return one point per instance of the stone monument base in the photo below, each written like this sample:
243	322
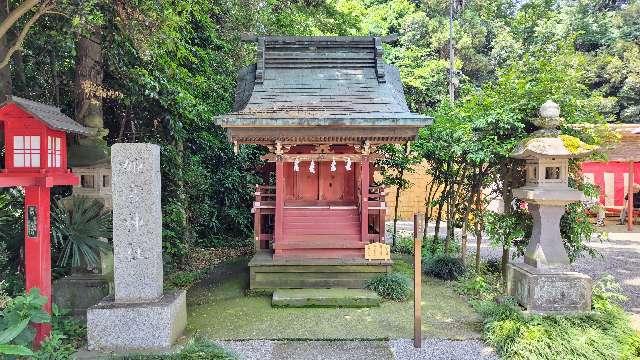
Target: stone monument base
550	291
122	327
78	292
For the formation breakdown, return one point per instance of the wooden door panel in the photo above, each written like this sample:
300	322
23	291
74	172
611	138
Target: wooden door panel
307	182
336	185
289	182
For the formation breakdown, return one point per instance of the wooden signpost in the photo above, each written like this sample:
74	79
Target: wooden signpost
417	285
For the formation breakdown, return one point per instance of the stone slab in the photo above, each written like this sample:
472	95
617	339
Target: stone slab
549	292
137	222
354	298
78	292
122	327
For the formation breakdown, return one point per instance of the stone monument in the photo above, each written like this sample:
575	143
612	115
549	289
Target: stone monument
139	316
544	283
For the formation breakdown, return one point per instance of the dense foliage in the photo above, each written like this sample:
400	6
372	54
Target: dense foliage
604	334
16	332
393	286
445	267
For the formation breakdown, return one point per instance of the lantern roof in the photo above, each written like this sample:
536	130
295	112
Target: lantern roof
299	84
547	141
563	146
50	115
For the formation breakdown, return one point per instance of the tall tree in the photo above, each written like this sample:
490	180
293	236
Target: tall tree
88	82
6	87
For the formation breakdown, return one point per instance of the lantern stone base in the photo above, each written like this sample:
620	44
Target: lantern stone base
122	327
549	291
78	292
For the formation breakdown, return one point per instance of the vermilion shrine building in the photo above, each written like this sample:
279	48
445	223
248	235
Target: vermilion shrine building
35	158
321	105
616	176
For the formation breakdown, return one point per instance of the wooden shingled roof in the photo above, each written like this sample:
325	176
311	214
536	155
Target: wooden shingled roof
628	149
328	89
50	115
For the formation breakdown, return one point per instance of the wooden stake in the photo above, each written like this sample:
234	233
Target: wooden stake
417	286
630	197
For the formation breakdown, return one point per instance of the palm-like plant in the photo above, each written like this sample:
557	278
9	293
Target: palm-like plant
79	226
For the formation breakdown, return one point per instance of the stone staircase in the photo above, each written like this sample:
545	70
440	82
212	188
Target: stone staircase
325	298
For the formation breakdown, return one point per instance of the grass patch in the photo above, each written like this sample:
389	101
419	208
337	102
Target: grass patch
605	333
402	267
223	312
194	350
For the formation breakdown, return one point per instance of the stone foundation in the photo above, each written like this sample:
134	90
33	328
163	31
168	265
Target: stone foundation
78	292
545	291
122	327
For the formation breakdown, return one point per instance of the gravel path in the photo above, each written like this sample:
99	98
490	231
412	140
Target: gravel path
443	350
621	259
432	349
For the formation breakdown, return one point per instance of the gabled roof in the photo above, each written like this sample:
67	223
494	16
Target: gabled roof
319	82
48	114
628	149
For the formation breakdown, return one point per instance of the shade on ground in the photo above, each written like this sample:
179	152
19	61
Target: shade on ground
223	312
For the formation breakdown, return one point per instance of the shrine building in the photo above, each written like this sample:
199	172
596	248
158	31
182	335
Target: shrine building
322	106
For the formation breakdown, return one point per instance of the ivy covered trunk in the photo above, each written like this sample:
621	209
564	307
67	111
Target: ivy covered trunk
5	72
88	84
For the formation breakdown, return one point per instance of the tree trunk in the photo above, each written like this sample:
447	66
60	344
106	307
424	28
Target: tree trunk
436	232
20	82
507	197
6	86
465	224
428	209
395	210
88	82
478	225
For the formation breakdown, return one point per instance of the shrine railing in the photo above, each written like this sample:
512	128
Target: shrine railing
377	212
264	216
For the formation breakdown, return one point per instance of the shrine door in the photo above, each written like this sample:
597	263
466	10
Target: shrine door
322	187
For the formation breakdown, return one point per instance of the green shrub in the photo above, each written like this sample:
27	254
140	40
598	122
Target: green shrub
78	225
478	286
73	332
183	279
604	334
55	347
444	267
404	245
392	286
16	332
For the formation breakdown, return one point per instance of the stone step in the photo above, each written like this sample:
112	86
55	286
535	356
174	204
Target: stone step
336	297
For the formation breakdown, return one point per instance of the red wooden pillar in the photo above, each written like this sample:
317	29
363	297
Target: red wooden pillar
630	196
364	207
37	236
279	225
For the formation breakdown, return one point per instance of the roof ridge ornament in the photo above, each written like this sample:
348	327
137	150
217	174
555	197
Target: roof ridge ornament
260	61
379	52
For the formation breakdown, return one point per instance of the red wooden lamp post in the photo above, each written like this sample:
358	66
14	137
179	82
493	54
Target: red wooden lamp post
36	159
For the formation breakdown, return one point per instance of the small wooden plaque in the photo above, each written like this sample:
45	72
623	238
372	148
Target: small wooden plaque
377	251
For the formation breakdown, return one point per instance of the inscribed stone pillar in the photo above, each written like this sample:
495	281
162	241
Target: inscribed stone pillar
137	222
139	316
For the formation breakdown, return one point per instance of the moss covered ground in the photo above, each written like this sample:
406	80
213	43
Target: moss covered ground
220	309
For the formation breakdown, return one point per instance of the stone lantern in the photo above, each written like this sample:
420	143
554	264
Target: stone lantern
544	283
